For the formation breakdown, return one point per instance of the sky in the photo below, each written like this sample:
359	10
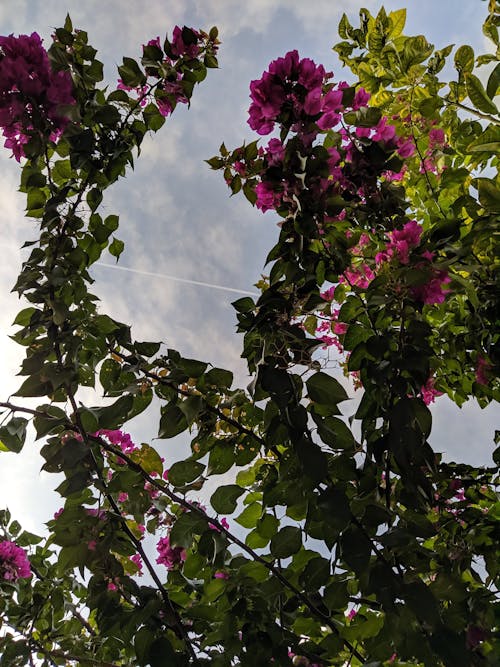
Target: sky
176	216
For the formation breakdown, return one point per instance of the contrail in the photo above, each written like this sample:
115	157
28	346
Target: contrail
199	283
176	279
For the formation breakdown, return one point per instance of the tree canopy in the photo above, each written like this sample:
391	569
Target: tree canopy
340	537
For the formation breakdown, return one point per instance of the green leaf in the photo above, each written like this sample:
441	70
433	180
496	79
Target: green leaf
131	74
214	588
109	373
356	549
36	199
316	574
161	654
94	198
13	434
267	526
489	194
116	247
248	518
148	458
464	59
244	305
478	96
34	386
325	389
184	472
172	422
107	115
114	415
219	377
287	542
488	141
224	499
153	119
344	27
397	21
493	82
185	527
23	318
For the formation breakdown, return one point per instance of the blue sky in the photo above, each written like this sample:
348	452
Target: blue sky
176	215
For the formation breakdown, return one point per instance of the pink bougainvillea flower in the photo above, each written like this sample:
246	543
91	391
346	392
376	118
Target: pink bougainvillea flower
275	152
383	131
267	198
429	393
433	291
288	81
361	98
436	138
221	575
117	438
482	368
185	42
406	147
14	563
328	294
360	276
137	560
168	555
32	95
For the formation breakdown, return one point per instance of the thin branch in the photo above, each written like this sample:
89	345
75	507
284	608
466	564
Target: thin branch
210	408
477	113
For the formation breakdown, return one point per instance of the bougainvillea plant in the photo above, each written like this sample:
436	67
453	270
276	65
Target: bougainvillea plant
343	539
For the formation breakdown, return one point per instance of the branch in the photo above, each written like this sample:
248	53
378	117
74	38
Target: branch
209	408
477	113
160	486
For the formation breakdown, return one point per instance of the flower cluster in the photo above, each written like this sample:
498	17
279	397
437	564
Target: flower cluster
302	100
14	563
291	86
428	392
167	76
168	555
32	95
117	438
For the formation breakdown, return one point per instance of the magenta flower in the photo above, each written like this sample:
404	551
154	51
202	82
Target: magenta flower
182	48
403	240
436	139
433	291
267	197
137	560
361	98
406	147
289	82
383	131
275	152
169	556
117	438
328	294
429	393
14	563
482	369
31	93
